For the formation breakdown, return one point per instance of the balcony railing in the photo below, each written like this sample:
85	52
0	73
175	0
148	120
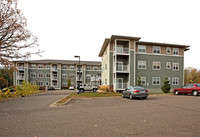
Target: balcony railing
54	78
77	78
95	78
20	77
121	85
54	69
122	50
20	67
77	70
121	68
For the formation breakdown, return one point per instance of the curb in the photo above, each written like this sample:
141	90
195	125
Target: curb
56	104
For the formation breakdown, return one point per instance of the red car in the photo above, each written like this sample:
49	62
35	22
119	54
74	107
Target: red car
188	89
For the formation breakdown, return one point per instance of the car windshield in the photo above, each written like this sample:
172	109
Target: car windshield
198	85
138	88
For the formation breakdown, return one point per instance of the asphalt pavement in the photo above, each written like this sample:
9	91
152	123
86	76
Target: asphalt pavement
158	116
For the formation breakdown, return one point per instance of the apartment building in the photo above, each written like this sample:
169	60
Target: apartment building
57	72
125	59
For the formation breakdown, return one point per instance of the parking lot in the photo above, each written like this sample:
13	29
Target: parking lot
158	116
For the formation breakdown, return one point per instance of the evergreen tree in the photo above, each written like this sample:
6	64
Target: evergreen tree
139	82
166	86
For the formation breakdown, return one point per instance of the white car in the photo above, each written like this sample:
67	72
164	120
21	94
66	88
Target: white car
71	88
87	87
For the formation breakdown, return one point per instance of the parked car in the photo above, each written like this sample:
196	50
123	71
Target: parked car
87	87
71	88
135	92
188	89
51	88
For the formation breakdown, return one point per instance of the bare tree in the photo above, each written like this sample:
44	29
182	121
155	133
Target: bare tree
16	41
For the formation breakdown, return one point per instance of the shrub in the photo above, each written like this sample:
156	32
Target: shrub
26	89
106	88
166	86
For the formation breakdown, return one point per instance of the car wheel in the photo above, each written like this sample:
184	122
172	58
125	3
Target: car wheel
144	97
131	96
94	90
195	93
176	92
82	90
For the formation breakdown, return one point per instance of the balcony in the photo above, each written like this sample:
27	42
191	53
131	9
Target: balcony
121	85
121	68
20	67
77	70
77	79
121	50
54	69
95	78
54	78
20	77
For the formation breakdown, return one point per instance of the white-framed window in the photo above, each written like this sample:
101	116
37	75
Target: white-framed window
106	81
88	76
40	66
95	68
33	75
155	80
88	68
64	75
64	67
156	65
175	81
175	66
143	80
71	67
156	49
40	75
47	83
33	66
168	50
48	75
168	65
72	76
40	83
141	64
48	66
141	48
33	83
105	66
175	51
64	84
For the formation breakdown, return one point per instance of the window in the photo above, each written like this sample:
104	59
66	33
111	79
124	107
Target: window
48	75
175	66
143	80
168	65
190	86
40	66
64	84
33	83
48	66
46	83
175	51
33	66
88	68
64	67
40	83
40	75
88	76
33	75
156	81
175	81
156	65
168	50
105	66
156	50
95	68
64	75
72	76
71	67
141	49
141	64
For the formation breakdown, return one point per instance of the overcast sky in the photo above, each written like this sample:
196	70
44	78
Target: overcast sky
78	27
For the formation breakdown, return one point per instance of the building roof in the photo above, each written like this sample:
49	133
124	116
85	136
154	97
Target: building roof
163	44
48	61
112	38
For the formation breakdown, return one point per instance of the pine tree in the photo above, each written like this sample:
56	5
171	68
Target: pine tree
166	86
139	82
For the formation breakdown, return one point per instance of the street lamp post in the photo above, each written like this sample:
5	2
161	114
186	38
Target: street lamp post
78	71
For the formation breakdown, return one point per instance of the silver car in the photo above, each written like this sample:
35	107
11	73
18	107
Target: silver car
134	92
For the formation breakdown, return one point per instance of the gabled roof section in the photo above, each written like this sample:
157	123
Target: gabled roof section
105	44
186	47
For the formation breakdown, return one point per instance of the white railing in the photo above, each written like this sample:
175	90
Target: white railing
54	78
77	70
122	68
20	67
54	69
121	85
20	77
77	79
95	78
122	50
